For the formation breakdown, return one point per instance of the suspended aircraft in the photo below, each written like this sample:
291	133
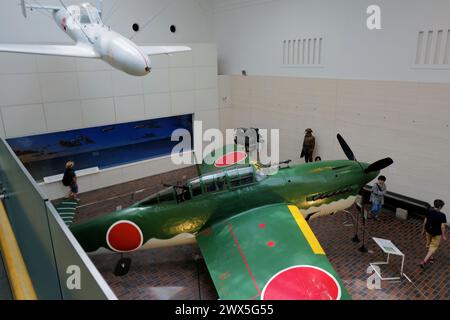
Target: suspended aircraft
93	39
252	228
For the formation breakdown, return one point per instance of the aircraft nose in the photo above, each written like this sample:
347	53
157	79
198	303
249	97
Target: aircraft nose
371	175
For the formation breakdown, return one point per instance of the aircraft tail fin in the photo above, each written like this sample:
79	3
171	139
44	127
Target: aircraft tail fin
99	6
25	6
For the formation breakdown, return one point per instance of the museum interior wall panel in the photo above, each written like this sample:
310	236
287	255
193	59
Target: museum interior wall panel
158	105
19	89
205	99
56	64
158	82
182	102
95	84
97	112
22	120
408	121
210	119
129	108
204	55
92	65
126	85
61	116
181	79
11	63
59	86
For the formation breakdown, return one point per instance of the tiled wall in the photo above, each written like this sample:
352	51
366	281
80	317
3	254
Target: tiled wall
47	94
407	121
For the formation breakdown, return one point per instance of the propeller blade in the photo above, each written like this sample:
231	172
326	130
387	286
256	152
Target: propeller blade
379	165
345	147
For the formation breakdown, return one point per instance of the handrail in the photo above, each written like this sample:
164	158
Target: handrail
19	278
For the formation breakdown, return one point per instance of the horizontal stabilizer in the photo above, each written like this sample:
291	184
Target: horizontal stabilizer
155	50
39	7
52	50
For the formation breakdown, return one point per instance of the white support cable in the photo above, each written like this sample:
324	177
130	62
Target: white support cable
113	11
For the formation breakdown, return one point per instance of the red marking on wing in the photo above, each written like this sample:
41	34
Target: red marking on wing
230	158
262	225
302	283
245	261
271	244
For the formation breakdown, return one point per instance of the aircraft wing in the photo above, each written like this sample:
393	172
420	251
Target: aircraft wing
155	50
52	50
269	253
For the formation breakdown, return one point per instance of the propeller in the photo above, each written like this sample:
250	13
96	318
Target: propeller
374	167
379	165
346	148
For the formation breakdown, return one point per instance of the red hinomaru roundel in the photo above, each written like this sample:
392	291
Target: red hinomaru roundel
124	236
230	158
302	283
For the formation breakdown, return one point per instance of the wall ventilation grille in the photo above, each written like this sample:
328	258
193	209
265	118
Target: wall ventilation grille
433	49
303	52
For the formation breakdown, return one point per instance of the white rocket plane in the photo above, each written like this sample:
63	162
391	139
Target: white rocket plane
93	39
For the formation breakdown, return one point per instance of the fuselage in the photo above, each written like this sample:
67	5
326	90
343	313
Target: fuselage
178	214
84	25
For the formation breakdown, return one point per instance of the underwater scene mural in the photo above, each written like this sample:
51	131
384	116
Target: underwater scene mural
104	147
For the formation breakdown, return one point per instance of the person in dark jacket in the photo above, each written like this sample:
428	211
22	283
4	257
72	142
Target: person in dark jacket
379	190
309	144
70	180
434	228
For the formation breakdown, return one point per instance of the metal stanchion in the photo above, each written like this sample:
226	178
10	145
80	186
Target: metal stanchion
363	248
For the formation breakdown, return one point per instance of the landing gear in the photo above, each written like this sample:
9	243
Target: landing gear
356	239
363	248
122	267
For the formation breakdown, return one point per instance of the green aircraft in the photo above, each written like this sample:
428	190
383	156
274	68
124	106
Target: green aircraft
251	227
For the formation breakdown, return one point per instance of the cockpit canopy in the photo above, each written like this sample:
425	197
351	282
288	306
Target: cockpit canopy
206	184
89	14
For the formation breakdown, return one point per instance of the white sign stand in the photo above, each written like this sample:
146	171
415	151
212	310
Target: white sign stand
389	248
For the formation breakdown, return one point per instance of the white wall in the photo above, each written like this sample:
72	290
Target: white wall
250	33
41	94
407	121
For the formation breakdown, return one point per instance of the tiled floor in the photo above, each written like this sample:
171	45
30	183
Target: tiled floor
174	273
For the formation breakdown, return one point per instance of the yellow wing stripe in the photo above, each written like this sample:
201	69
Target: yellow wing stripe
306	230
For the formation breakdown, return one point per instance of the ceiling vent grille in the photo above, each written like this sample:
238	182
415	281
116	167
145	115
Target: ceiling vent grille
433	49
303	52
